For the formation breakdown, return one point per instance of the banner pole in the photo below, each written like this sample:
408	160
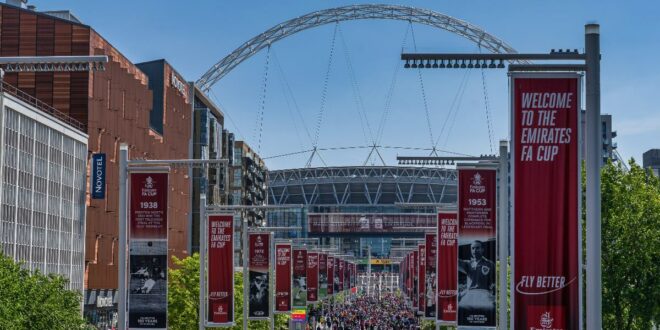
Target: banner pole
123	169
245	247
593	141
272	260
369	270
202	260
504	231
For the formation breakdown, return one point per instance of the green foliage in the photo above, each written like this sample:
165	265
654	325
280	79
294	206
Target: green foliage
427	325
183	293
183	298
630	247
36	301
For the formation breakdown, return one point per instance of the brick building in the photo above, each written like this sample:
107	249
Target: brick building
123	104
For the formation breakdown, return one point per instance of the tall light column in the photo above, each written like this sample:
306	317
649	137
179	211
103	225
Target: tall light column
594	159
504	231
123	171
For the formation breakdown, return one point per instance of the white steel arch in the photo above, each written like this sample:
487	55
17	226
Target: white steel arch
347	13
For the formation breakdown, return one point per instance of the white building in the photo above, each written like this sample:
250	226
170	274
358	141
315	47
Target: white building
43	158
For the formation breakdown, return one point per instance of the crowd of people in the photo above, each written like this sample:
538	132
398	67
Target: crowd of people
364	313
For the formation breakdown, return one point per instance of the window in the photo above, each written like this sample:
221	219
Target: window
238	178
44	188
238	156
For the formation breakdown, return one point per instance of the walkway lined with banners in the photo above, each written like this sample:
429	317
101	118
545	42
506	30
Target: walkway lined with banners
364	313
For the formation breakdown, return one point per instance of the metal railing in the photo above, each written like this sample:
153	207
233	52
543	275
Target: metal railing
41	105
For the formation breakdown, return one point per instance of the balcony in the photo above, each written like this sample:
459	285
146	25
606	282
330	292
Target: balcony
33	101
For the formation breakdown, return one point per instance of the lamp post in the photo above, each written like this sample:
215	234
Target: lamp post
125	166
588	62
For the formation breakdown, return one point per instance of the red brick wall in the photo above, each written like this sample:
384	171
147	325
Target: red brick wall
115	105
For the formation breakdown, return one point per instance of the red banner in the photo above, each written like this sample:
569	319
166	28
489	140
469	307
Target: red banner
312	277
283	276
476	247
447	273
258	273
331	275
148	205
342	272
221	269
430	278
353	275
414	270
546	193
147	299
421	276
323	275
299	277
349	274
409	276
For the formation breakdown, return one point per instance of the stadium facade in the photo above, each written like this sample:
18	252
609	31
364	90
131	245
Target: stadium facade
351	208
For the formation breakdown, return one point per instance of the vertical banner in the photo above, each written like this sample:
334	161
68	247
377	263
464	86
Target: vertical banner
406	268
220	269
148	206
545	175
353	275
283	276
430	278
447	272
98	176
347	276
342	265
331	275
299	277
258	271
312	277
147	298
476	247
323	275
421	276
414	270
401	278
406	271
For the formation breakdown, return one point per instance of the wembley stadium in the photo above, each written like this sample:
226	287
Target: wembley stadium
384	208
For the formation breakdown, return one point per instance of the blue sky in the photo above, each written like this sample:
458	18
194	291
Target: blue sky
193	35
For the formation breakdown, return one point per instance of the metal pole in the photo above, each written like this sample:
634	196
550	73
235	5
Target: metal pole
273	280
246	293
123	169
504	231
368	270
202	260
593	141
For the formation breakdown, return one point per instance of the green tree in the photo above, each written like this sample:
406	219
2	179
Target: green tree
183	298
630	247
31	300
183	293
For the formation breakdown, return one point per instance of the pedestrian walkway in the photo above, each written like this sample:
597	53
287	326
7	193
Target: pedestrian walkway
364	313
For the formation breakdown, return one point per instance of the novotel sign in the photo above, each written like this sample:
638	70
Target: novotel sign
178	84
104	302
98	176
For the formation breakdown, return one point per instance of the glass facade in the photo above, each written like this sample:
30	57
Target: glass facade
207	144
294	218
43	193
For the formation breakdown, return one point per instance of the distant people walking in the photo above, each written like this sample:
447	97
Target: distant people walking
365	313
